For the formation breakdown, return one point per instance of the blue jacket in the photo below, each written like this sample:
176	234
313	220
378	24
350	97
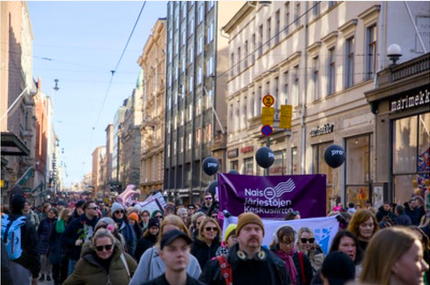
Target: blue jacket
43	232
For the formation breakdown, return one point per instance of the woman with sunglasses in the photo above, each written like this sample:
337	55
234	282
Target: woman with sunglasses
103	262
306	244
208	241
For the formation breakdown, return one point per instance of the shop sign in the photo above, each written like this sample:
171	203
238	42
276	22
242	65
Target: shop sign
318	131
410	101
233	153
247	149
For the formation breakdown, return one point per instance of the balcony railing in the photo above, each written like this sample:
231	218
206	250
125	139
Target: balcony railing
416	66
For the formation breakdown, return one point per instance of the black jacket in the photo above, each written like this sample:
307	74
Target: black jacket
413	214
382	213
6	277
161	280
143	244
278	274
203	252
30	257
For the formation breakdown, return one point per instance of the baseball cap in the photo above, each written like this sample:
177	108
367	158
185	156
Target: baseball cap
171	236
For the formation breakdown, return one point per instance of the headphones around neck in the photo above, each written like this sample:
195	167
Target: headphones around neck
259	256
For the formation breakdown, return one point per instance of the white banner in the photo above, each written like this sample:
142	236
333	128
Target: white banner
324	229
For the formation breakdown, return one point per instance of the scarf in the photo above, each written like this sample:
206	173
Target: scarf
287	257
60	226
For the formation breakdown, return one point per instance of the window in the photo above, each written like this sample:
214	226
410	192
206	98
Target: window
315	77
331	71
199	75
245	56
297	16
331	4
181	144
184	10
199	106
176	47
232	65
190	140
210	33
237	117
184	38
175	98
248	164
316	8
260	41
244	112
209	99
210	5
191	27
183	65
276	93
259	97
296	91
321	167
294	168
286	80
200	45
191	54
238	60
287	18
169	103
182	117
277	25
191	84
253	47
230	117
175	122
201	13
252	105
269	32
349	62
210	66
190	112
371	52
198	136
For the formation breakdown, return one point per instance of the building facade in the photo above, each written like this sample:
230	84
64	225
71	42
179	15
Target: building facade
319	57
152	62
196	59
117	121
98	161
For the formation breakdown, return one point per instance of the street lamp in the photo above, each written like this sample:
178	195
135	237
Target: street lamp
56	88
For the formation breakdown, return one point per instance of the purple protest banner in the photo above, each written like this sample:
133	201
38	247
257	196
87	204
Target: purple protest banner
272	197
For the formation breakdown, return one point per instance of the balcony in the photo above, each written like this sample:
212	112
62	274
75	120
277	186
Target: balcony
219	142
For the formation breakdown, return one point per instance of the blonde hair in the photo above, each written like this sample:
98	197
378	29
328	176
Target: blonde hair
171	220
382	255
203	225
101	233
63	214
359	217
304	230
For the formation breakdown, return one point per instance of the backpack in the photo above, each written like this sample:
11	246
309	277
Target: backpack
226	270
11	235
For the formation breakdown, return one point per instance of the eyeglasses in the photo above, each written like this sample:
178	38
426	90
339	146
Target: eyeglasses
92	208
208	229
101	247
159	217
305	240
119	212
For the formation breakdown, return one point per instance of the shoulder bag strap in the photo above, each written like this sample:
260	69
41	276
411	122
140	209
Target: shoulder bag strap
226	271
125	264
302	267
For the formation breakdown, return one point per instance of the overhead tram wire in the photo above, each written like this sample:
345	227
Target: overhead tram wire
113	72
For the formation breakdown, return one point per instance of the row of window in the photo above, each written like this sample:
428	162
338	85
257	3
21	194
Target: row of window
207	138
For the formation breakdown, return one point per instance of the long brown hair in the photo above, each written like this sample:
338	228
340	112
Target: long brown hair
359	217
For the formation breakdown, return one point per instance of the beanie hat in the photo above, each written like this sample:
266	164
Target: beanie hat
231	229
248	218
79	204
338	268
153	222
116	206
155	213
134	217
103	222
17	203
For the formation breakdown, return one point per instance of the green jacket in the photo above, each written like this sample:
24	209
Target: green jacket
89	272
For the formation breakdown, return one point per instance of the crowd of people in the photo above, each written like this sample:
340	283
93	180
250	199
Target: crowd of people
94	243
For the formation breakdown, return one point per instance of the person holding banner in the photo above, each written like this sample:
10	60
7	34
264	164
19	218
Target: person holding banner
247	262
306	243
298	265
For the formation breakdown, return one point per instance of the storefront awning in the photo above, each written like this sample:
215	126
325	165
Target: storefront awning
12	145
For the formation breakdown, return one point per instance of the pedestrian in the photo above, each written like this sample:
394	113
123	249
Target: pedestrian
175	253
151	265
30	214
80	231
191	209
103	262
133	220
402	219
24	269
394	257
364	225
110	225
158	214
385	210
124	228
306	243
77	212
43	233
425	241
57	254
298	265
103	209
337	269
183	214
6	277
207	242
44	212
247	262
412	211
293	215
144	219
196	220
351	208
230	239
169	209
148	239
207	203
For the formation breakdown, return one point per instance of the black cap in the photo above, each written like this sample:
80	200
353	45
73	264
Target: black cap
191	206
172	235
153	222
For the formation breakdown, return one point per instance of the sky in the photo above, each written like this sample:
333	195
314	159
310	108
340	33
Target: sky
79	43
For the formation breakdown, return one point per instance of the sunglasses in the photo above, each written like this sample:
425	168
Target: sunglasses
305	240
93	208
159	217
208	198
208	229
119	212
101	247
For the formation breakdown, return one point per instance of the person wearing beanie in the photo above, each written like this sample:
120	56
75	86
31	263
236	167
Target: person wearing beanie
124	228
158	214
230	239
250	263
148	239
28	264
337	269
133	220
110	225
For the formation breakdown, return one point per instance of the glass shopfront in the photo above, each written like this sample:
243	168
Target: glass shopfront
410	155
358	169
321	167
279	167
248	164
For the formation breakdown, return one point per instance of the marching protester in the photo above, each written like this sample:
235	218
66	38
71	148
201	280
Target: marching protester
44	211
57	254
292	215
103	209
364	225
207	203
230	239
394	257
43	233
151	265
148	239
175	253
191	209
80	231
196	220
183	214
30	214
158	214
306	244
207	242
110	225
133	220
425	241
402	219
337	269
6	277
103	262
297	264
25	262
77	212
247	262
144	219
412	211
383	211
124	228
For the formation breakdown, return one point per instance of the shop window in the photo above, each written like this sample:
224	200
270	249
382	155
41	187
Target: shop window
294	161
279	167
248	164
358	151
321	167
234	165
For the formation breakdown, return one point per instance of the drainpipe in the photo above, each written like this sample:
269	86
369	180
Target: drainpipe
305	91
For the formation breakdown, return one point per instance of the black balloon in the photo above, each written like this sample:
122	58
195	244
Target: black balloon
334	156
210	165
211	187
233	171
265	157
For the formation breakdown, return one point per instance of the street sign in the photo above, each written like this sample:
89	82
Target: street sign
267	111
285	119
267	120
268	100
266	130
